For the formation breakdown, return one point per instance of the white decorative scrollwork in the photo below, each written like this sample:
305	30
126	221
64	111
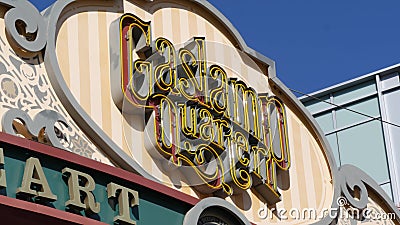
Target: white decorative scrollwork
42	127
24	83
25	25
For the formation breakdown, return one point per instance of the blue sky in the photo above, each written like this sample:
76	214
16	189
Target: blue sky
316	43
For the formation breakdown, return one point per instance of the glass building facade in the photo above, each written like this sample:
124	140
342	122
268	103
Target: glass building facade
361	120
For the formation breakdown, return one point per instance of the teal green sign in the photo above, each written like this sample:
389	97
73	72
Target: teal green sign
42	179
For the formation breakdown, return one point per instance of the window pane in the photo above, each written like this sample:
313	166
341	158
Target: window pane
355	92
392	110
333	143
390	81
325	121
388	189
363	146
316	105
369	107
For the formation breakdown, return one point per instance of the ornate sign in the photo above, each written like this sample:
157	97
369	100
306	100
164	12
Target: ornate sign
197	117
170	91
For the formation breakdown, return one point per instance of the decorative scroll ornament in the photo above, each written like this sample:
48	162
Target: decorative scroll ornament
42	128
24	82
353	187
24	85
25	25
352	204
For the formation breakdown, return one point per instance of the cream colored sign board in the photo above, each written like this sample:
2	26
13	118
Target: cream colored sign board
69	77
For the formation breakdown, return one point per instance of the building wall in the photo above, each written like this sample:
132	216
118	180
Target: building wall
362	117
60	92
